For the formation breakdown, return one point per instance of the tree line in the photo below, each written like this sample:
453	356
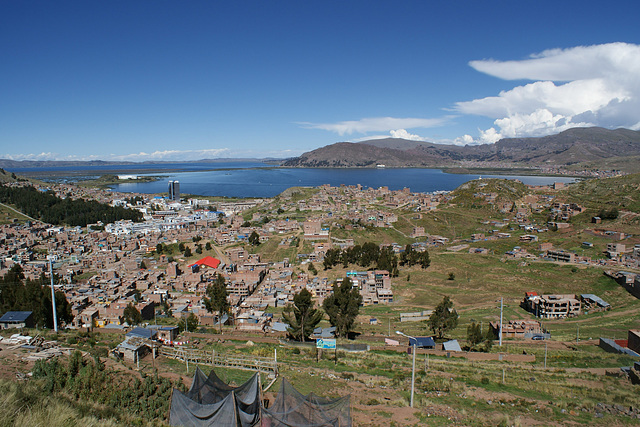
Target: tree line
363	255
47	207
20	294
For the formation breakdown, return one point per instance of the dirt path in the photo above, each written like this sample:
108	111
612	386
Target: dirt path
18	212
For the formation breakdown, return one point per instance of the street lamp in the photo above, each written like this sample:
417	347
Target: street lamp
413	368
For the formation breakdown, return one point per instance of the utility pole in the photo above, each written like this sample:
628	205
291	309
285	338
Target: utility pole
413	371
53	296
413	367
545	355
501	306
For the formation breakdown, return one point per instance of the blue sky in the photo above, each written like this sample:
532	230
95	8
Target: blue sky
170	80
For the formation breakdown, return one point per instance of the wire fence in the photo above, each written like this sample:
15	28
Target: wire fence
205	357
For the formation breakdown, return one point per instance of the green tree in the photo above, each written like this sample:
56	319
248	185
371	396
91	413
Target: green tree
216	299
474	334
254	238
452	276
488	339
331	258
342	306
191	323
444	318
424	260
181	247
312	269
187	252
166	308
208	246
301	316
159	248
131	315
18	294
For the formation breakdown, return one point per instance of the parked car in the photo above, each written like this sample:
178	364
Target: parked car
537	337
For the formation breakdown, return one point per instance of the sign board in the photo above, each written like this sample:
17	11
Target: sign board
326	343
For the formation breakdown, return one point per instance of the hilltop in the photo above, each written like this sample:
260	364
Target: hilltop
591	147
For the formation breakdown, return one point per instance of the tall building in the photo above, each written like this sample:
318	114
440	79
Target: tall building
174	190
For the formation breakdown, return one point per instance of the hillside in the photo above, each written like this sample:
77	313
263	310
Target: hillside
622	193
7	176
348	154
590	146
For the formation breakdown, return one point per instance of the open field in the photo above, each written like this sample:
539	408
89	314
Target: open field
577	383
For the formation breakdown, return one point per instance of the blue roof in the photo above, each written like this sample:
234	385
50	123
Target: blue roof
422	342
15	316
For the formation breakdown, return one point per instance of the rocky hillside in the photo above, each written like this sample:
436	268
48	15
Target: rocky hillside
579	145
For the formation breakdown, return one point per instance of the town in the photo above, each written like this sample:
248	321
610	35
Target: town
105	267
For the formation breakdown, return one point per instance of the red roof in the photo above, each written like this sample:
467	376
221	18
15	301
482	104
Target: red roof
531	294
209	261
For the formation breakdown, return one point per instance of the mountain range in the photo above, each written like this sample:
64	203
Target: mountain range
592	146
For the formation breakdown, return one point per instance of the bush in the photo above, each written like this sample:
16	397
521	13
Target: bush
100	351
347	375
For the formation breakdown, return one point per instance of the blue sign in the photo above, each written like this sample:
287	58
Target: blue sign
326	343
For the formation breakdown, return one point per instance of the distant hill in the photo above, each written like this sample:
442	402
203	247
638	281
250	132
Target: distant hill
573	146
12	164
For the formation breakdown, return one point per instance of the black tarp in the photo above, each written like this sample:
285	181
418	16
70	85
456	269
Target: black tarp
210	401
292	408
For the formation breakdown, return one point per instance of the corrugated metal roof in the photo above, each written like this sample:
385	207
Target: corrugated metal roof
596	299
15	316
141	332
452	345
422	342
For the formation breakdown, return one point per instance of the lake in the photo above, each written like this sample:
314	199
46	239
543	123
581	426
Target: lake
262	180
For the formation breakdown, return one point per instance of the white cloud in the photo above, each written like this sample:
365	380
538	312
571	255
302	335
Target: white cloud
463	140
169	155
580	86
375	124
47	157
160	156
402	133
489	136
